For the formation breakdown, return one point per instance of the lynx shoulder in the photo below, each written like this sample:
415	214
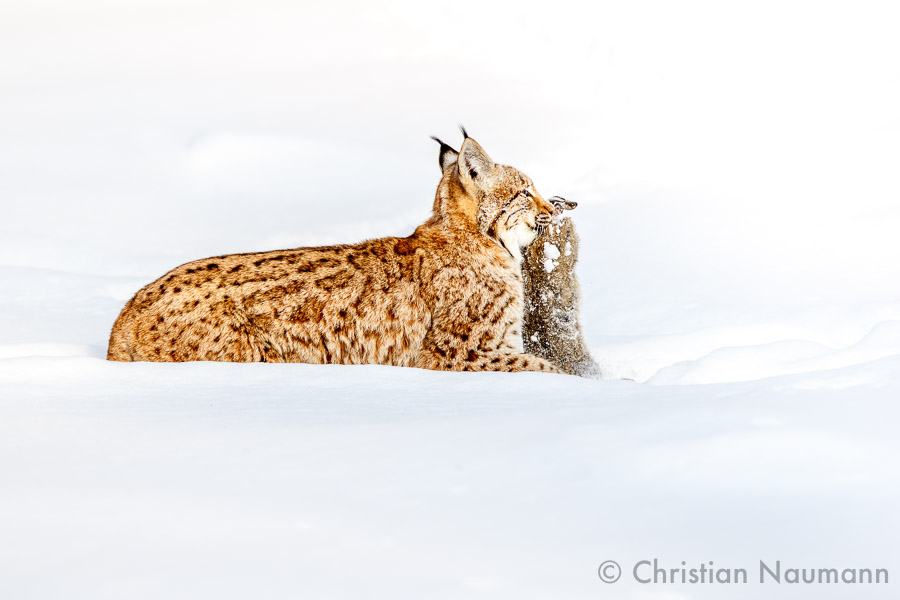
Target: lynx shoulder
552	327
448	297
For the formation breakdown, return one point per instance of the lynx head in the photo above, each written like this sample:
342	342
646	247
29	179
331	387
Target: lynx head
501	199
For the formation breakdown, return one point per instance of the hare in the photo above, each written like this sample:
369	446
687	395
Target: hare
552	329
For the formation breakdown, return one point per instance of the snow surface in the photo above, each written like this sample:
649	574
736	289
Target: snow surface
739	204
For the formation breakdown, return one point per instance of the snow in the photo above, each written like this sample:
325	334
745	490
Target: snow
735	173
551	254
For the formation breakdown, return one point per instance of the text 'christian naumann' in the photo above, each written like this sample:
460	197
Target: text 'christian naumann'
646	571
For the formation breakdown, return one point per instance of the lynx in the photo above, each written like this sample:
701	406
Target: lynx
448	297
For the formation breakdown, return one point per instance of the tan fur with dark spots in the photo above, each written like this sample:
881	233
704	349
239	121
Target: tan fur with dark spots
552	327
448	297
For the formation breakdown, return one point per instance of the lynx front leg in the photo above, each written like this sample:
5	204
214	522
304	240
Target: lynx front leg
497	360
513	363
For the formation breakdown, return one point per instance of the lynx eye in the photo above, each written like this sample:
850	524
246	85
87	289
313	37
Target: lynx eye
527	193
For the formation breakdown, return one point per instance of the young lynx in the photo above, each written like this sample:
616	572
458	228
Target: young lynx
448	297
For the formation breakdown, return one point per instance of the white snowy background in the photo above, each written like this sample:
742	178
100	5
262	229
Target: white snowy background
736	168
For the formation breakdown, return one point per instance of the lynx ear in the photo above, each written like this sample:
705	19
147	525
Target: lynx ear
474	164
447	156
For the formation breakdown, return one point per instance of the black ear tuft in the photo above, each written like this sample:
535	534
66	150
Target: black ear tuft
447	156
464	132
